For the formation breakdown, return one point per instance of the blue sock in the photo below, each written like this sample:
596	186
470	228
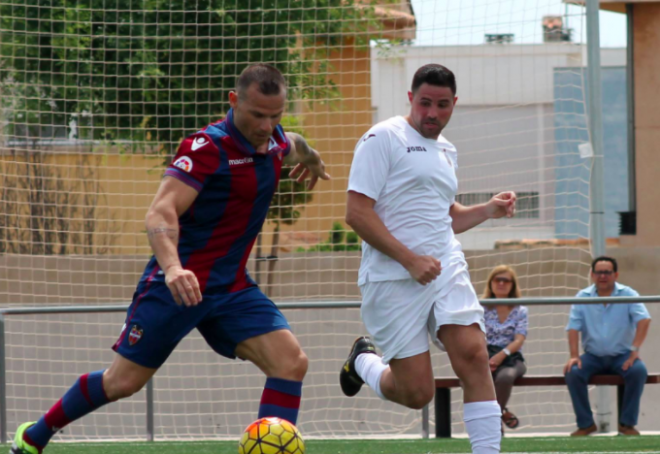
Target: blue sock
281	398
85	396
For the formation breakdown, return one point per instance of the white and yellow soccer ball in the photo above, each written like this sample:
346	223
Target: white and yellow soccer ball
271	436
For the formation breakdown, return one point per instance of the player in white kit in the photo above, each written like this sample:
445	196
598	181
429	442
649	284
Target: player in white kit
413	276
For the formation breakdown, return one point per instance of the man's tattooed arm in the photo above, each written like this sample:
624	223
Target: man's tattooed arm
169	232
164	240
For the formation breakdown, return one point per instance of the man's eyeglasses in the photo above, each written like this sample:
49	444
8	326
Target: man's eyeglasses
503	280
603	273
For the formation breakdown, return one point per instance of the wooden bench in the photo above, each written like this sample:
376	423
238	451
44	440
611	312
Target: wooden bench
443	393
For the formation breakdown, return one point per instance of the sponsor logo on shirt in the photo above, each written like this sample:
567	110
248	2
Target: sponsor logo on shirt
417	148
236	162
198	143
368	137
184	163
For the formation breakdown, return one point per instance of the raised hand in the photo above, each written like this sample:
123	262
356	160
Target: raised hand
502	204
304	169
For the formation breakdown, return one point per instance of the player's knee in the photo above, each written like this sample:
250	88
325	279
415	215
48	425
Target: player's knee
300	366
121	387
294	368
472	365
471	355
419	398
477	353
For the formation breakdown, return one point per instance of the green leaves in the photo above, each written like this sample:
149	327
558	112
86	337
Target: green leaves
171	61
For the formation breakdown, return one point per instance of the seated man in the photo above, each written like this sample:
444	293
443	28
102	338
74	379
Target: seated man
612	335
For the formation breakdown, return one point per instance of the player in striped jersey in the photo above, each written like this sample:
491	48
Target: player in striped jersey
201	225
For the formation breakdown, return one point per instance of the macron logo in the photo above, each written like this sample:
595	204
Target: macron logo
271	143
236	162
198	143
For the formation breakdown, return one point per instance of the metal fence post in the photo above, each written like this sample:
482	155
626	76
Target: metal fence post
3	383
425	421
596	182
150	409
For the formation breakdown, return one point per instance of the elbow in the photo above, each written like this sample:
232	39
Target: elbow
352	219
349	220
159	215
148	219
152	217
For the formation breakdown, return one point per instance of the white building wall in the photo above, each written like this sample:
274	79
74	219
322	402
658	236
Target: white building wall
503	124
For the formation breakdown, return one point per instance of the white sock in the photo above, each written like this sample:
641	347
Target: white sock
483	421
370	368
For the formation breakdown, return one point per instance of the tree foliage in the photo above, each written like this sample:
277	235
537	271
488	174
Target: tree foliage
151	71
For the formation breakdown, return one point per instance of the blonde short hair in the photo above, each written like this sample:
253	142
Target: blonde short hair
499	269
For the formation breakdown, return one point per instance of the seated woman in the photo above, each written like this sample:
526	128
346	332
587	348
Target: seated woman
506	330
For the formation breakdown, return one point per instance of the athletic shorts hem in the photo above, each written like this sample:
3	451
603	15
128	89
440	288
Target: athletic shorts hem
252	334
139	360
462	322
403	354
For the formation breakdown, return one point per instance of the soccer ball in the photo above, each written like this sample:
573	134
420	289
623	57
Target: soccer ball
271	436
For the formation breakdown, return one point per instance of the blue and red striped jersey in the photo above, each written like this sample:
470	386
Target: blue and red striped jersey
236	185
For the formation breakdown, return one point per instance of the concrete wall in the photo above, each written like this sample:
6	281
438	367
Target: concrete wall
517	125
38	280
199	394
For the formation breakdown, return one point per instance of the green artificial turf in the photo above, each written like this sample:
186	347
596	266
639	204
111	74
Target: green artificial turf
518	445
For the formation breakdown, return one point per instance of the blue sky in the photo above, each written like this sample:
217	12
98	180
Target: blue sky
450	22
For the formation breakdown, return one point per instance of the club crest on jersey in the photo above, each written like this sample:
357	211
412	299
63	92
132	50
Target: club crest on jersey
135	335
184	163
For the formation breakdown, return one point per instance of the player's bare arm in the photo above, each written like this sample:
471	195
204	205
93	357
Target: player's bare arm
162	223
306	161
466	217
362	218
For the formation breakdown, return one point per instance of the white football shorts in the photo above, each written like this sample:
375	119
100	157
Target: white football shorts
401	315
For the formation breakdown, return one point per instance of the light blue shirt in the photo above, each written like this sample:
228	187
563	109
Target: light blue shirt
607	330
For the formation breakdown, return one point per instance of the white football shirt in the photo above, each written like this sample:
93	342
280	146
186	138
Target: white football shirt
413	181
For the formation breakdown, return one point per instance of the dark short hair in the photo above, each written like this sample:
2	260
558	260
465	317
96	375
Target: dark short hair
269	79
434	74
603	258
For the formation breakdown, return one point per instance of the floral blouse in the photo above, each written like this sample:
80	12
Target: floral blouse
502	334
